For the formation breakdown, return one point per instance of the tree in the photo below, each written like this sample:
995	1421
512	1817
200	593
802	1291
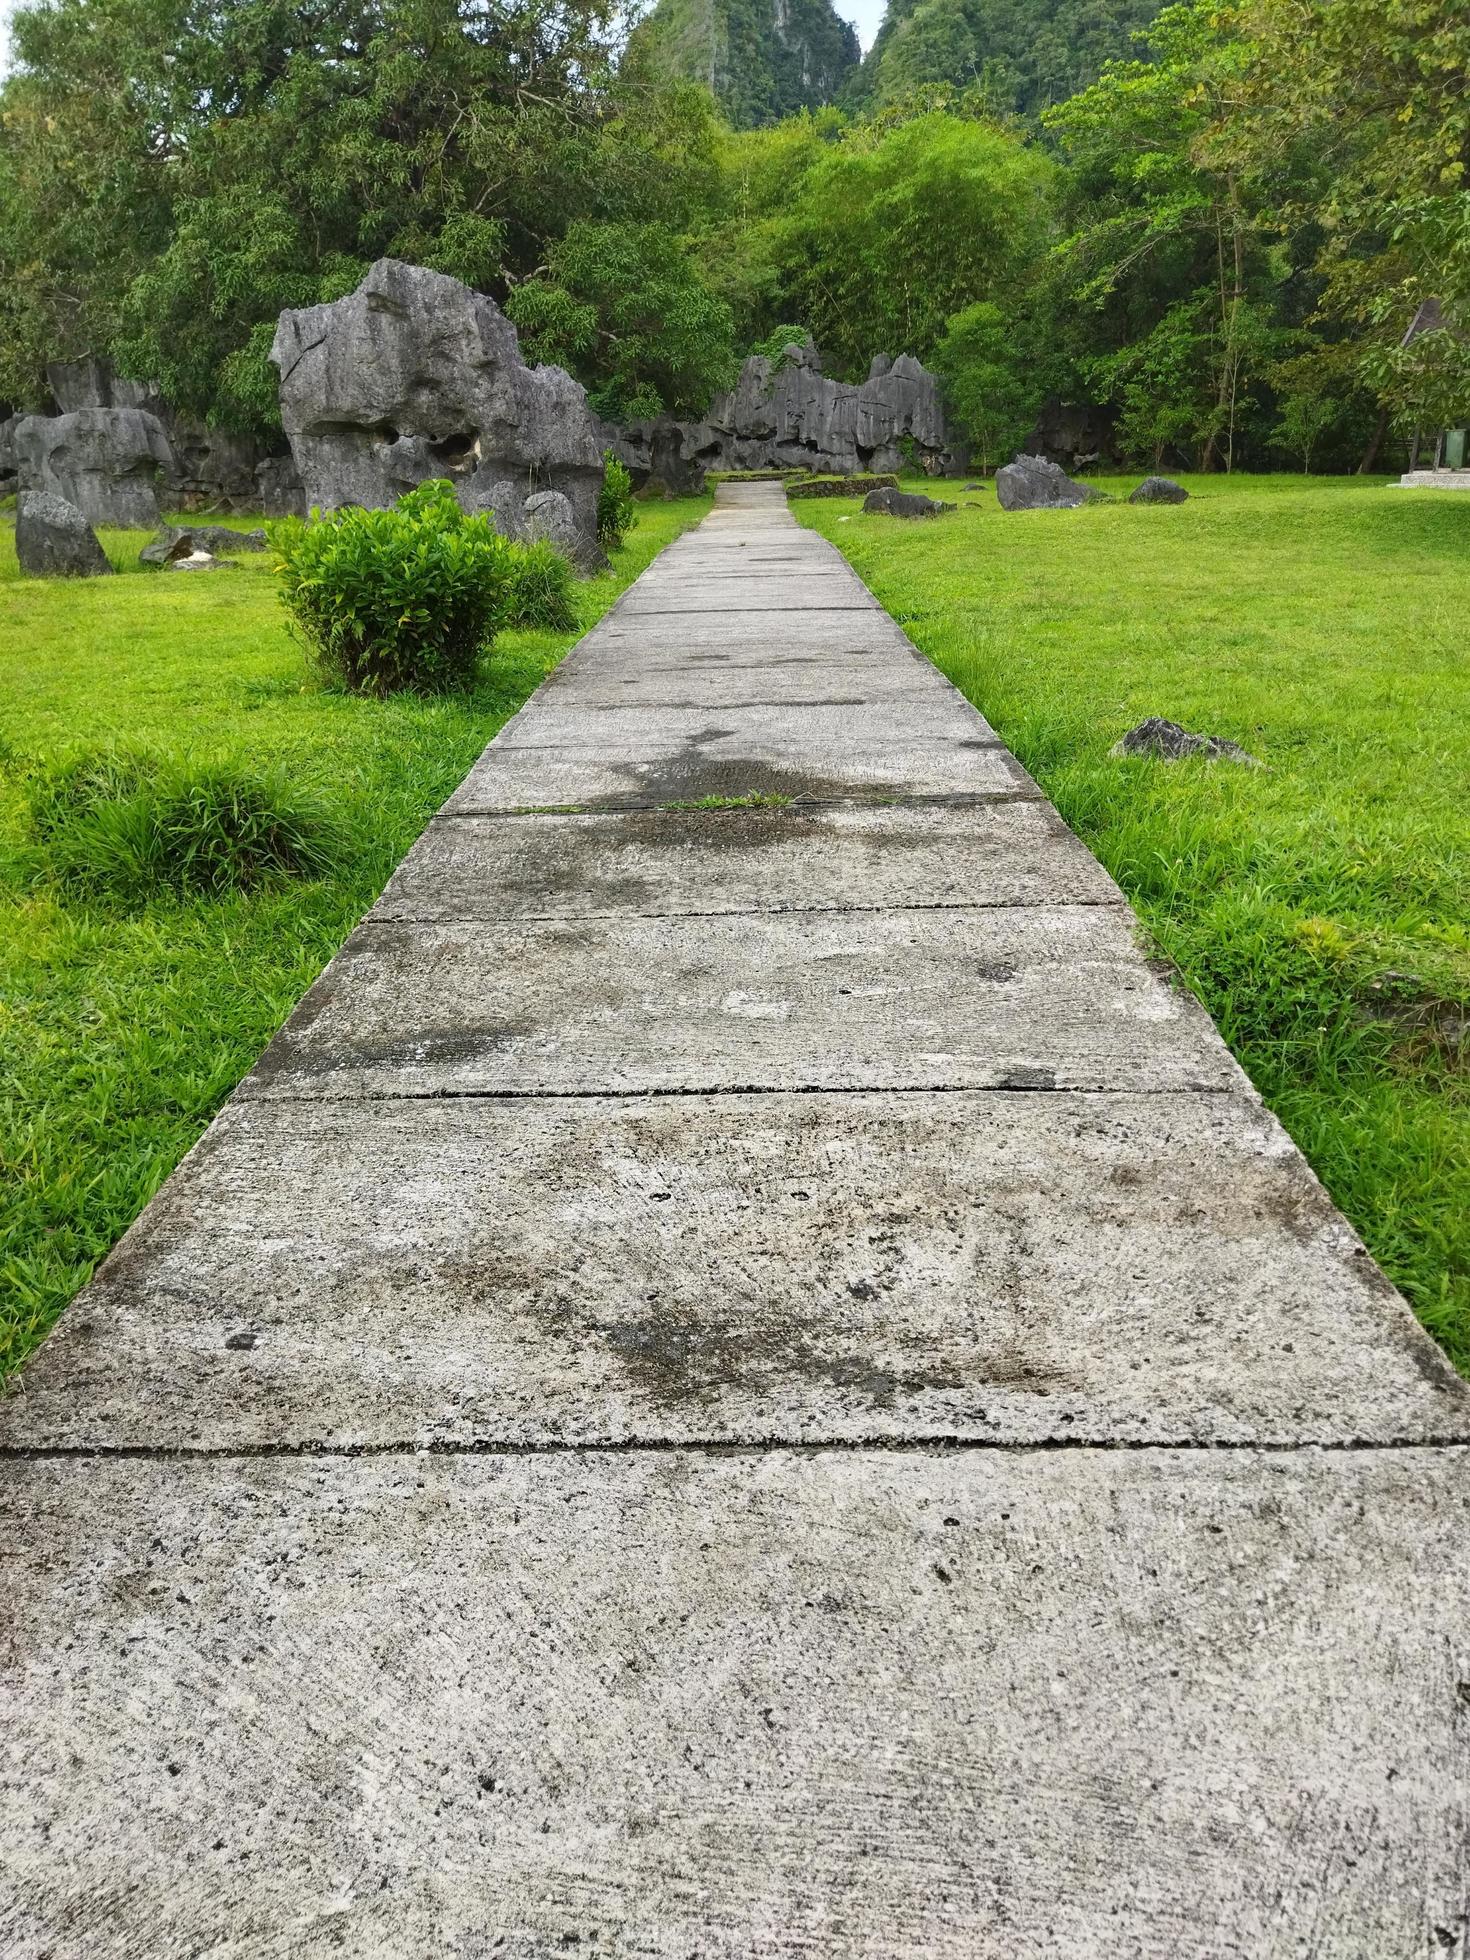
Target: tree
626	306
173	172
1376	90
987	381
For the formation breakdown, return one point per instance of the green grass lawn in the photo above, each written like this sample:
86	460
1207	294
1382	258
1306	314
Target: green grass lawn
124	1026
1320	907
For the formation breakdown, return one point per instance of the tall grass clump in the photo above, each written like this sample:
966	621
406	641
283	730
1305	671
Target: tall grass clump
538	589
388	600
128	826
614	503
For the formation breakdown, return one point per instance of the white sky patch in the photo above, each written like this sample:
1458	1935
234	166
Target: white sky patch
865	15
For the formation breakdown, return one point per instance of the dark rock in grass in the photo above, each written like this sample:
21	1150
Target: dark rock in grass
1166	741
1032	483
902	503
184	540
1159	490
54	540
108	462
412	377
974	486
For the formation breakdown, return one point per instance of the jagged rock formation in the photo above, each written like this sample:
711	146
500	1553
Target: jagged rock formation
108	462
197	468
791	415
54	540
414	376
902	503
1032	483
762	59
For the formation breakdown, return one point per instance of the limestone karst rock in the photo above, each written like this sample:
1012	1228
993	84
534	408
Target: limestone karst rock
108	462
54	540
414	376
1032	483
788	414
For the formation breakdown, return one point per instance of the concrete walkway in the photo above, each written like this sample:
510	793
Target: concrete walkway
739	1381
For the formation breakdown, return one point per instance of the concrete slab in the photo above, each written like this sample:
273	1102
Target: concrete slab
921	718
1021	998
622	678
826	753
776	593
739	1269
853	1704
817	858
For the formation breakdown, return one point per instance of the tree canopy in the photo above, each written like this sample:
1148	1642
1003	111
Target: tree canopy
1217	229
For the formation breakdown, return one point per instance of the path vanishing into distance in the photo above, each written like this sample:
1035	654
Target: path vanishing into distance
739	1381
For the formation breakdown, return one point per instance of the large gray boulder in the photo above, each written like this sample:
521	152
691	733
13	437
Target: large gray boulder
7	455
54	540
414	376
1032	483
787	414
178	541
109	462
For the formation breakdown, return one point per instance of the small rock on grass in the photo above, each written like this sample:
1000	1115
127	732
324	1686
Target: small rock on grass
186	540
1166	741
54	540
902	503
1159	490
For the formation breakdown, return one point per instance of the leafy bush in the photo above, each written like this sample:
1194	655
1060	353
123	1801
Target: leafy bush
402	598
538	590
614	503
114	823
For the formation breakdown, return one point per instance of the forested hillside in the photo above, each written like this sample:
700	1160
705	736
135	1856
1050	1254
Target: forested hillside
761	59
1219	244
1025	55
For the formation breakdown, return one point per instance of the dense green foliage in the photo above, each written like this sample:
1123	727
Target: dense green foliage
761	59
119	823
1025	55
403	598
124	1025
1318	906
614	503
1219	235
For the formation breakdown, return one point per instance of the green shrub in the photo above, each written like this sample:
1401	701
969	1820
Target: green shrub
123	825
538	591
614	503
402	598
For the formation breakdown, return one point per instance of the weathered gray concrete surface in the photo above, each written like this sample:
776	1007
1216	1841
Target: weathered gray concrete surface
686	863
796	1001
1010	1706
740	1381
1013	1267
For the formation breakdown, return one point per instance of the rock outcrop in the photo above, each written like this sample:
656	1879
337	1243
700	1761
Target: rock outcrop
175	541
1159	490
109	462
1074	434
1166	741
787	414
54	540
1032	483
414	376
208	469
902	503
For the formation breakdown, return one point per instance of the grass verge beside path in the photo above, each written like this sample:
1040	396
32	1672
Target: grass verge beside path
1320	908
123	1027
